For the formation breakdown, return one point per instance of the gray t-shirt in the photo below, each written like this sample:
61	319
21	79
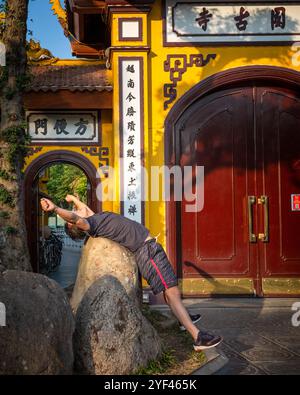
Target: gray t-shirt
124	231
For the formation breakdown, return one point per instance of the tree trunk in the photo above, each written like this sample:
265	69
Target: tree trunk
13	239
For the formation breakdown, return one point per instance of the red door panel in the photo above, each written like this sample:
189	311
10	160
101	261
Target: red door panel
217	133
248	140
279	128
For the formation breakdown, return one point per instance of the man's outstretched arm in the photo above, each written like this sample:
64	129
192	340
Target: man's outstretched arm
83	210
68	216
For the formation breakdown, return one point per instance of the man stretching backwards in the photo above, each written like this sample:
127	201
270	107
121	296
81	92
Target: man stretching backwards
151	258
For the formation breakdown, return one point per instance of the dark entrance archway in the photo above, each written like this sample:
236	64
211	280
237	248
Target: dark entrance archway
243	126
30	186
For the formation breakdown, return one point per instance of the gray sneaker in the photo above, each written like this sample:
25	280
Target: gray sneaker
206	340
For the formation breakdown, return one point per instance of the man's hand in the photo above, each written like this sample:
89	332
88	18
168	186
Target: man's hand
70	198
47	205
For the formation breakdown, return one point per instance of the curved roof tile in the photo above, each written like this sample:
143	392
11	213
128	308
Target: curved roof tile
81	78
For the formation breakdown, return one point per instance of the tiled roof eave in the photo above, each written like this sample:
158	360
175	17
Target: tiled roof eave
70	88
70	78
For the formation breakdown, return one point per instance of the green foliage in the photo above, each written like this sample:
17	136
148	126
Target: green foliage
178	356
198	357
159	366
5	175
66	179
4	215
3	76
18	141
10	230
6	197
23	81
9	93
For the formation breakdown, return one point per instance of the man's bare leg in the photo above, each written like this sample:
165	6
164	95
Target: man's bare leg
173	298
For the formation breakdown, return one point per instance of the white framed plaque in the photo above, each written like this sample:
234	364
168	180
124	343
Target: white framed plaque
131	136
63	127
234	23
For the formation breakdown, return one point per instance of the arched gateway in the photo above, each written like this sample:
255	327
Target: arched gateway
243	126
31	190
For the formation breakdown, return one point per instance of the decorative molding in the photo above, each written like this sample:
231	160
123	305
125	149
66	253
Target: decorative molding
103	156
177	65
122	21
57	9
134	48
281	286
61	15
34	150
219	285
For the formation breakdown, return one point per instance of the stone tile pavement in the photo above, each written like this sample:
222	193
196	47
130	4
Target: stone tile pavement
259	338
66	273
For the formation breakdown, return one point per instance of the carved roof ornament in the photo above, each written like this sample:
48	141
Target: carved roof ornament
58	9
62	17
35	53
61	14
38	55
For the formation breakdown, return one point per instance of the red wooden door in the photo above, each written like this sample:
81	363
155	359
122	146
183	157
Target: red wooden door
278	134
248	140
217	133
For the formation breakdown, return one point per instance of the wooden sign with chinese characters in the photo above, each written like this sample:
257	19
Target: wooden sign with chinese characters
295	202
63	127
131	136
193	22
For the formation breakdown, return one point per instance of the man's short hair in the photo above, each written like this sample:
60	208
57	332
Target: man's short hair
75	233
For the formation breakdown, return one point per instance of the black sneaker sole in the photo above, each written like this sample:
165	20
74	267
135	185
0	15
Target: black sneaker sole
182	328
201	348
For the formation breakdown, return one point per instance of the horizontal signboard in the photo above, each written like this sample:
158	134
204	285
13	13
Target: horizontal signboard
63	127
236	22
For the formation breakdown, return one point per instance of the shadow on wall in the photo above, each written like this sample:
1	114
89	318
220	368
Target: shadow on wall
215	284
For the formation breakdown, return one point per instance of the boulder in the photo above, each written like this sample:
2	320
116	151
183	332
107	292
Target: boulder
101	257
112	336
37	338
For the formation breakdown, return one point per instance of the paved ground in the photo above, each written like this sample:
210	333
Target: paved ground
67	271
259	338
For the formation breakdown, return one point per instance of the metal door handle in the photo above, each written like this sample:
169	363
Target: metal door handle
264	200
251	202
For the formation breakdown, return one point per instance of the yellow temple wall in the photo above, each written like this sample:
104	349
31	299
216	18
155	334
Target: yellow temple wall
228	57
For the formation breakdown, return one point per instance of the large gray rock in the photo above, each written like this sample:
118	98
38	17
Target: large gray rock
112	336
37	338
101	257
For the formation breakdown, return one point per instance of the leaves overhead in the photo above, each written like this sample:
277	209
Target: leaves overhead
66	179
